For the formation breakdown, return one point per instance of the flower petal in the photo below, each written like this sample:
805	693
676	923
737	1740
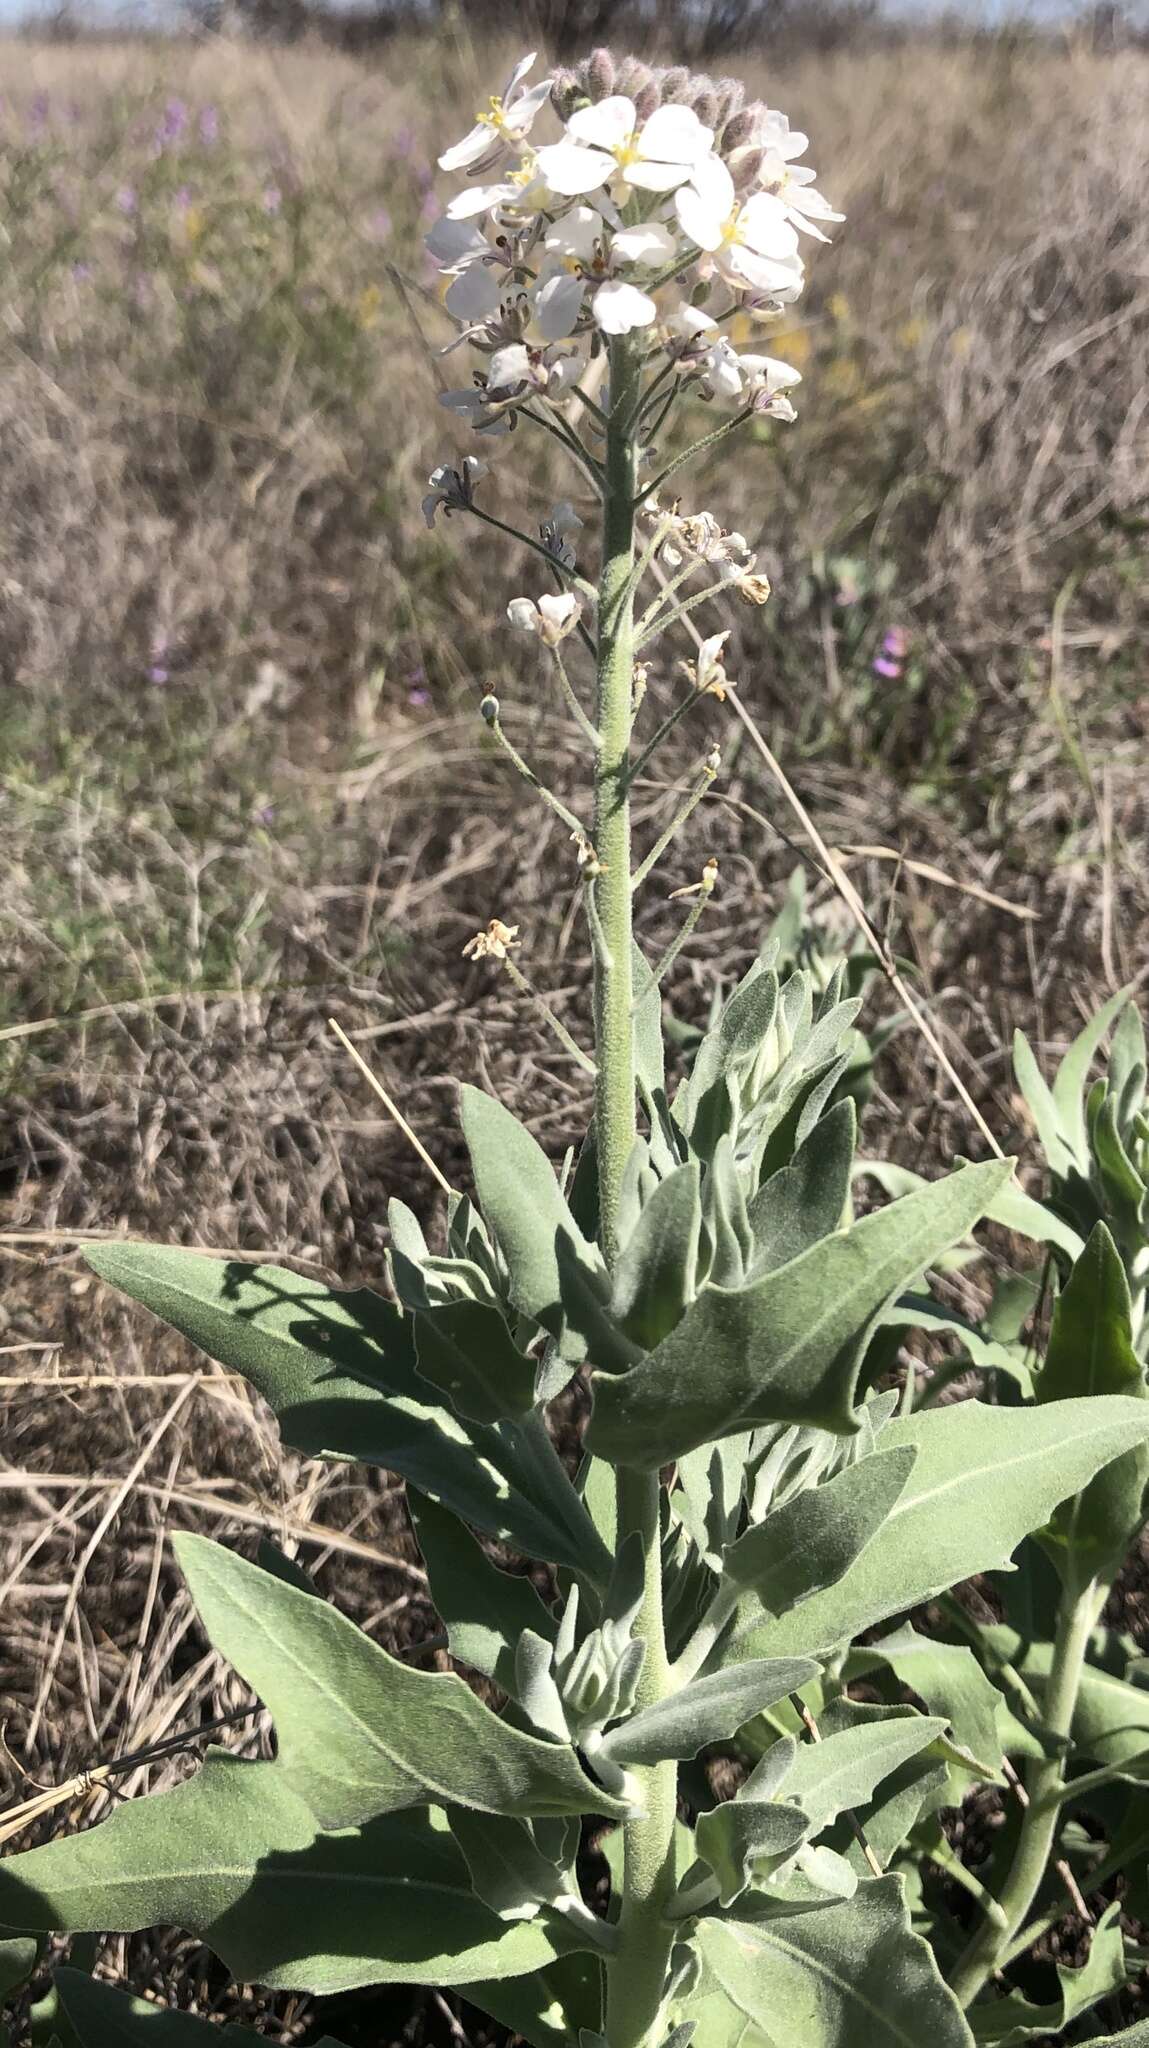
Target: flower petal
649	244
475	199
700	220
654	177
618	308
575	233
606	126
473	295
675	135
571	171
475	145
557	305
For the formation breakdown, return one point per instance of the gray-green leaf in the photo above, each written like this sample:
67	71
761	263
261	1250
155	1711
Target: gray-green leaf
984	1478
851	1974
485	1611
789	1347
809	1541
466	1350
706	1710
234	1858
339	1371
359	1733
524	1209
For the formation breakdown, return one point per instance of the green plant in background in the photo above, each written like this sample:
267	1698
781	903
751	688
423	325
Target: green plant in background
747	1498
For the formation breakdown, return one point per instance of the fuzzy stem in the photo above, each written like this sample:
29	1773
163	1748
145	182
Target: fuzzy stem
613	992
636	1973
983	1954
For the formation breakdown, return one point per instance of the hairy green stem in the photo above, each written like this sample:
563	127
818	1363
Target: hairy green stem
983	1954
613	983
636	1973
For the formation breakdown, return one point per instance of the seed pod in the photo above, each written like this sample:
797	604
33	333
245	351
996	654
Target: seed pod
739	130
489	708
647	102
599	75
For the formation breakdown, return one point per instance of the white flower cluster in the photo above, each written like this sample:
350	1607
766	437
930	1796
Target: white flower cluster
666	203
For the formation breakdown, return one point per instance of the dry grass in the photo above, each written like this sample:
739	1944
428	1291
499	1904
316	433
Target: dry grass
215	422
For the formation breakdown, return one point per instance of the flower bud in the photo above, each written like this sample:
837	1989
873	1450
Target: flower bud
647	102
676	82
731	98
632	76
489	708
705	105
566	93
599	75
744	167
739	130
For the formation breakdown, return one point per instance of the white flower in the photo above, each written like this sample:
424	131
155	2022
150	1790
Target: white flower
583	245
725	373
709	674
501	127
605	142
551	619
453	489
752	243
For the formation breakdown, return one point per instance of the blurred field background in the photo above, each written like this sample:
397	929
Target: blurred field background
244	786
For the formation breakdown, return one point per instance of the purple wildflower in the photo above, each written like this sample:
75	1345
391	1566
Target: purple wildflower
126	199
884	667
272	199
209	126
379	225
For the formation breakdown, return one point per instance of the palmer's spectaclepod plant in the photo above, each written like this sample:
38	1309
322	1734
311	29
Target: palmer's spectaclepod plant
763	1479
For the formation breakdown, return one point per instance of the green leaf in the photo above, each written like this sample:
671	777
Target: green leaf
466	1350
789	1347
860	1747
1091	1353
984	1477
1111	1718
948	1677
359	1733
17	1962
849	1975
484	1610
104	2018
706	1710
549	2007
339	1371
654	1278
1073	1073
809	1542
1055	1141
524	1209
508	1870
745	1840
1006	2022
806	1200
234	1858
906	1797
1015	1210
